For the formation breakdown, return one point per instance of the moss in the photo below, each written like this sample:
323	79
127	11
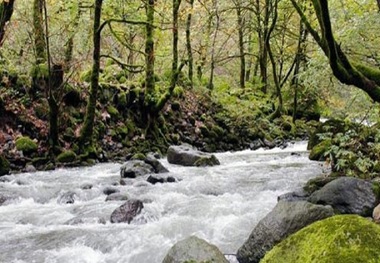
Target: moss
86	76
122	130
67	157
338	239
26	145
113	112
376	189
4	166
318	151
178	92
217	130
122	100
138	156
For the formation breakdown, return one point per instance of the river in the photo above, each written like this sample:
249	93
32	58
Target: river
220	204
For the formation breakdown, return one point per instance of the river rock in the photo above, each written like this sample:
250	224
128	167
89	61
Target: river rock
110	190
127	211
67	198
116	197
347	195
187	155
194	249
341	238
3	199
135	168
376	214
156	164
285	219
299	195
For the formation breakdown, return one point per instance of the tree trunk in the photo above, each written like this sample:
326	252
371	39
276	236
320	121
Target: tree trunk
149	55
240	23
217	22
6	11
378	5
188	45
87	130
38	32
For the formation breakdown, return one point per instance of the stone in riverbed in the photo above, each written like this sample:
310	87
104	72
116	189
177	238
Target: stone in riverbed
155	163
347	195
67	198
127	211
285	219
110	190
187	155
194	249
135	168
117	197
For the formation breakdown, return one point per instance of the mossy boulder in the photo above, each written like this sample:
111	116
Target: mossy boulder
26	145
67	157
317	153
338	239
4	165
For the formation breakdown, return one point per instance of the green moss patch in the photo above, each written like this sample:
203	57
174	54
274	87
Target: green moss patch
67	157
26	145
338	239
4	166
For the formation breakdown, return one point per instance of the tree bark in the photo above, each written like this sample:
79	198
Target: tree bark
38	32
240	23
6	11
87	130
188	45
210	84
149	55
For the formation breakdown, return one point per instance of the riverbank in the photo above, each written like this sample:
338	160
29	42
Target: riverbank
192	117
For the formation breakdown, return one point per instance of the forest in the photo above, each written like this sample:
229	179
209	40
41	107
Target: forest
90	84
89	81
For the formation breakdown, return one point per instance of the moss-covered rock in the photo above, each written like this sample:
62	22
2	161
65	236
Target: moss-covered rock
317	153
338	239
113	112
26	145
67	157
4	165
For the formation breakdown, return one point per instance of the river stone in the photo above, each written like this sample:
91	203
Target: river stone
157	166
116	197
110	190
127	211
347	195
187	155
299	195
135	168
3	199
67	198
286	218
194	249
338	239
376	214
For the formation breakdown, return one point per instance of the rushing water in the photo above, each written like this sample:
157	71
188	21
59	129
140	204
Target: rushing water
220	204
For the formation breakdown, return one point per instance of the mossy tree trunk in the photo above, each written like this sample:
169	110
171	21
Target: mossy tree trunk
69	46
359	75
6	11
149	55
38	32
188	44
262	32
88	127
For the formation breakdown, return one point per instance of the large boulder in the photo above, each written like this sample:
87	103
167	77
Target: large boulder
347	195
187	155
342	238
127	211
135	168
194	249
285	219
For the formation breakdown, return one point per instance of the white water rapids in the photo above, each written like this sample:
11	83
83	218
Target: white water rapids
220	204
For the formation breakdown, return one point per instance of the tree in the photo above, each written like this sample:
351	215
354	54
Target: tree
6	11
240	24
348	72
38	32
88	127
188	43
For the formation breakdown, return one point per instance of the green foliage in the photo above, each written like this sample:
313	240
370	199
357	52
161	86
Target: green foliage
67	157
26	145
353	152
4	165
113	112
338	239
40	71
